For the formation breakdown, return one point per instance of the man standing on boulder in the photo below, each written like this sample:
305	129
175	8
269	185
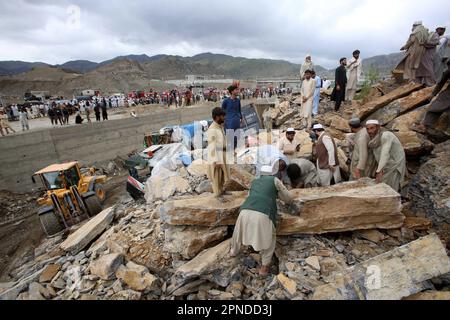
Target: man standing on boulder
232	107
438	106
354	73
389	155
256	225
338	94
218	170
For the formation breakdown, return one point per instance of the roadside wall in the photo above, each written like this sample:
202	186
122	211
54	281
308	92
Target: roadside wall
22	155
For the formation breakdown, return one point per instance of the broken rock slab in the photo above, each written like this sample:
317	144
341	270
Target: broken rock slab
285	117
371	235
88	232
13	292
198	168
340	124
394	275
137	277
402	106
205	262
430	295
364	111
106	266
414	144
49	273
349	206
190	241
205	211
240	179
162	189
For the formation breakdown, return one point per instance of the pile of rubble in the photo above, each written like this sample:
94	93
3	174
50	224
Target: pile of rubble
356	240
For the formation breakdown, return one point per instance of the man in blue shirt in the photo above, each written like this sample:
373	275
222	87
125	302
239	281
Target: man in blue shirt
232	107
316	93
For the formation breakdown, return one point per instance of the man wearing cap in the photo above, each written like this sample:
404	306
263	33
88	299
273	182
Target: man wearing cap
440	105
288	145
354	69
256	225
425	74
218	170
307	92
327	157
301	173
389	155
414	51
269	155
442	53
359	165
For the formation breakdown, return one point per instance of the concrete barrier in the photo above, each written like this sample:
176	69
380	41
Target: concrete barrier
22	155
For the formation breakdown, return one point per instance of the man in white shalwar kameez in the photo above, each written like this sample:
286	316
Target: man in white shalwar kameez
307	94
354	70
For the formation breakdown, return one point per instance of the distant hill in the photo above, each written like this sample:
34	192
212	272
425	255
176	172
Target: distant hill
383	64
16	67
80	66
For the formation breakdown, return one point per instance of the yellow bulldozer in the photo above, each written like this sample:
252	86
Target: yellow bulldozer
71	196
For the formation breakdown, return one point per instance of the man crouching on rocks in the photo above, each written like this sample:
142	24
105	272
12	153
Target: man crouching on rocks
256	225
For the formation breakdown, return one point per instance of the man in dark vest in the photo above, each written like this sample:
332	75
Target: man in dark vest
256	225
327	157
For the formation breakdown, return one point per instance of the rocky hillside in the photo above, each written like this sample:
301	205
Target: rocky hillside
383	64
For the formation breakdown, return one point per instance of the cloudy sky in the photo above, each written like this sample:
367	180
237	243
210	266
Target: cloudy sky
61	30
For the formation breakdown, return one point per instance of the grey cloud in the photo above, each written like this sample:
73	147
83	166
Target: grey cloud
260	29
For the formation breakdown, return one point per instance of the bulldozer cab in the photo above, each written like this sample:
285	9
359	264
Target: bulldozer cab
56	177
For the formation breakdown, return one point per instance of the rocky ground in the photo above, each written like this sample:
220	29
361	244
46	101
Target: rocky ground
175	245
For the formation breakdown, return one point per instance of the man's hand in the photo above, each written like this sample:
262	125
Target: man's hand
338	88
357	173
216	165
379	177
304	99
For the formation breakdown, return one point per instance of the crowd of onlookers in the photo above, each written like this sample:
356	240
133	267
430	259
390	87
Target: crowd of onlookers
60	112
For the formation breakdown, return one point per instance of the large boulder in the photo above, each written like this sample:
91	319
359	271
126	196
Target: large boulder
137	277
369	108
393	275
402	106
88	232
190	241
106	266
345	207
162	189
414	144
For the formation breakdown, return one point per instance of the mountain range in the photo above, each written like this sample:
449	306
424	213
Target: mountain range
139	72
167	66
